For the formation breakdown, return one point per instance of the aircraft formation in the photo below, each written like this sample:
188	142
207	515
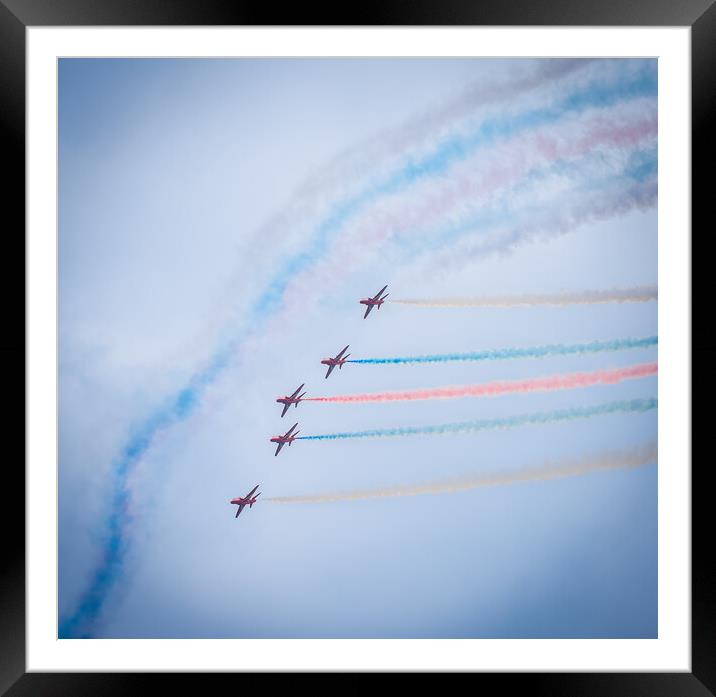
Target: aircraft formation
295	398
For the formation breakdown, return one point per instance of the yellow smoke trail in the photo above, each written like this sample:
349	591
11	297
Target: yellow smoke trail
588	297
567	468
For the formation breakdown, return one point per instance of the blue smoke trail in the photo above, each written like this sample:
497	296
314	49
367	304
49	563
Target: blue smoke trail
448	152
530	352
184	402
547	417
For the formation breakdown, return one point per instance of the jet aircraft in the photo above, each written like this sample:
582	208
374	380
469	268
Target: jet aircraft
287	437
294	399
375	301
339	360
243	501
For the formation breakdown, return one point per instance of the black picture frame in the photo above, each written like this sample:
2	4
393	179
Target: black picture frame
16	15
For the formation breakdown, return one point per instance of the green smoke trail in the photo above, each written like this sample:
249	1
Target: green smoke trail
545	417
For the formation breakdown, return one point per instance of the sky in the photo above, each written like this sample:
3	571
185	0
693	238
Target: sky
219	219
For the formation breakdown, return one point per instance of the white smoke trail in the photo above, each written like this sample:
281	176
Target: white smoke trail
551	470
578	208
588	297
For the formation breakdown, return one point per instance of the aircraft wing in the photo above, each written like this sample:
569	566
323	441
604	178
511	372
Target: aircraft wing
342	352
239	509
330	369
285	409
290	430
367	311
278	449
378	294
251	493
297	391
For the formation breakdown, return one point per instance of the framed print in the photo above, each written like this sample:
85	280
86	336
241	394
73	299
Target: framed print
352	346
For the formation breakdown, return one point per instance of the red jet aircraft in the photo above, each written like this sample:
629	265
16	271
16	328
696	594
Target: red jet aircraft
375	301
339	360
288	401
287	437
248	500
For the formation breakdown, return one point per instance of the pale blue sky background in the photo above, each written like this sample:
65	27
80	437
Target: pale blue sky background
185	187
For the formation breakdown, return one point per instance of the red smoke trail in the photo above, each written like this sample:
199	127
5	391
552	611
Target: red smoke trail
500	387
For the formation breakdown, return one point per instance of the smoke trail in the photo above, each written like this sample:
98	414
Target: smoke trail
448	152
547	417
637	294
475	184
479	236
646	455
510	353
501	387
363	156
